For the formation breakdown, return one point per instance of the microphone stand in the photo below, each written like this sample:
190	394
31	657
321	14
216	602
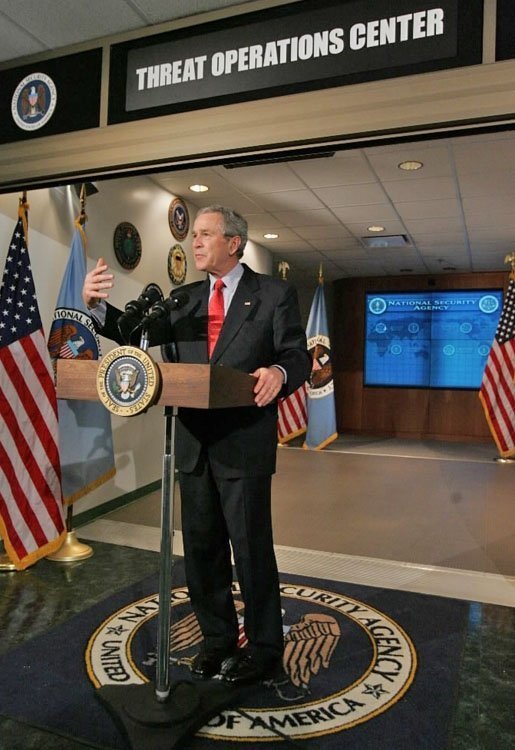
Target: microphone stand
165	714
162	691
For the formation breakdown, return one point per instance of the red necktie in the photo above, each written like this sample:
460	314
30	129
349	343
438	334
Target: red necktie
215	314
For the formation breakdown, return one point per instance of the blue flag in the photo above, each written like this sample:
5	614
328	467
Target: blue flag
321	409
85	435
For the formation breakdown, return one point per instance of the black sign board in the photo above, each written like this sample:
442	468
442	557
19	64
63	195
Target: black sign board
299	47
49	97
505	30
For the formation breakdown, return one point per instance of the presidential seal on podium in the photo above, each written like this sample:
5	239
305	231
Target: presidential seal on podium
128	381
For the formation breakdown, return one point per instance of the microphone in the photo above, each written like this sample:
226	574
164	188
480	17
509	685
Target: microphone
174	301
131	319
149	296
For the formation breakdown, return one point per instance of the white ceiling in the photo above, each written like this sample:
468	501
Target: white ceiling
457	212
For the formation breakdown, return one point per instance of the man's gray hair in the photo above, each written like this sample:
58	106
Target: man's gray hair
234	225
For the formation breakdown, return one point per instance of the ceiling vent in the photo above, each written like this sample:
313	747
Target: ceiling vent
279	158
392	240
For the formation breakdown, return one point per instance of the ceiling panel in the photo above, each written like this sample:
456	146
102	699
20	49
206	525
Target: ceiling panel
432	209
288	200
385	160
346	169
420	189
355	195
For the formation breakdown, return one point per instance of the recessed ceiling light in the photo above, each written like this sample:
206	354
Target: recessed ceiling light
270	236
410	166
199	188
375	228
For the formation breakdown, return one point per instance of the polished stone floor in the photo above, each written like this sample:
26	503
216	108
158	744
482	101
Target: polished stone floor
35	600
449	533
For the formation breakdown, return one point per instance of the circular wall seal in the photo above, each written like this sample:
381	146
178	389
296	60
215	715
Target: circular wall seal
178	219
33	102
127	245
177	265
127	381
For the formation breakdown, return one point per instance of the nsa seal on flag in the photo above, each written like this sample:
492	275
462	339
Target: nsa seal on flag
321	379
72	336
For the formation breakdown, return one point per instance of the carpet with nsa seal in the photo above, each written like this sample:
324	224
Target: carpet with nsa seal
363	668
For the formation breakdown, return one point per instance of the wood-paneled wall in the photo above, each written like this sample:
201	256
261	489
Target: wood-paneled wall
401	412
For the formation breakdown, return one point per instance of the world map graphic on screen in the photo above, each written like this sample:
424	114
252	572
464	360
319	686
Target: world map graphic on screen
438	339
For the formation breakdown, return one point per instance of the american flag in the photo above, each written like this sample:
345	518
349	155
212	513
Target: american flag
31	510
293	415
497	392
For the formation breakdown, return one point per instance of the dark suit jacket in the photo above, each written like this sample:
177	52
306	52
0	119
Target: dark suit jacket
262	327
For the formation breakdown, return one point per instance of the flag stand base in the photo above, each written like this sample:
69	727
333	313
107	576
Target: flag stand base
5	564
71	550
501	460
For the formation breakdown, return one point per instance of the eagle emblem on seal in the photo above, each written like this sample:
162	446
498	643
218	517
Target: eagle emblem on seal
309	645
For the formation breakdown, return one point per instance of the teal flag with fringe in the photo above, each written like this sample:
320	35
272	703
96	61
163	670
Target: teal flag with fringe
321	406
85	434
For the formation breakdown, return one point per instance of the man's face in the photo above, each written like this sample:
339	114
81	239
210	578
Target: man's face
213	252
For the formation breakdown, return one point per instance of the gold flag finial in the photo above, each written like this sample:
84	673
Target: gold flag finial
283	268
82	218
80	221
23	212
321	275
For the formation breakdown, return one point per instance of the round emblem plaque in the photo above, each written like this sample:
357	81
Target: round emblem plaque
178	219
127	381
127	245
177	265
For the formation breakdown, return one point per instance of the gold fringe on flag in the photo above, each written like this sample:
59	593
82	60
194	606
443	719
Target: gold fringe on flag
511	259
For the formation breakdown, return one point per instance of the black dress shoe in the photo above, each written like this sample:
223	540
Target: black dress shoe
245	667
207	664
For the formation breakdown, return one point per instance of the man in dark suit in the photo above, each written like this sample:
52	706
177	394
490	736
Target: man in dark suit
226	457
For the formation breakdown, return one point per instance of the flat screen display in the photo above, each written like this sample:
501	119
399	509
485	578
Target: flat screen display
437	339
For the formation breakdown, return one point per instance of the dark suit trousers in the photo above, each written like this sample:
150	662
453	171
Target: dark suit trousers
214	511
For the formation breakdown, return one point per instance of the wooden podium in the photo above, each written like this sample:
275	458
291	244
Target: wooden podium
196	386
165	713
